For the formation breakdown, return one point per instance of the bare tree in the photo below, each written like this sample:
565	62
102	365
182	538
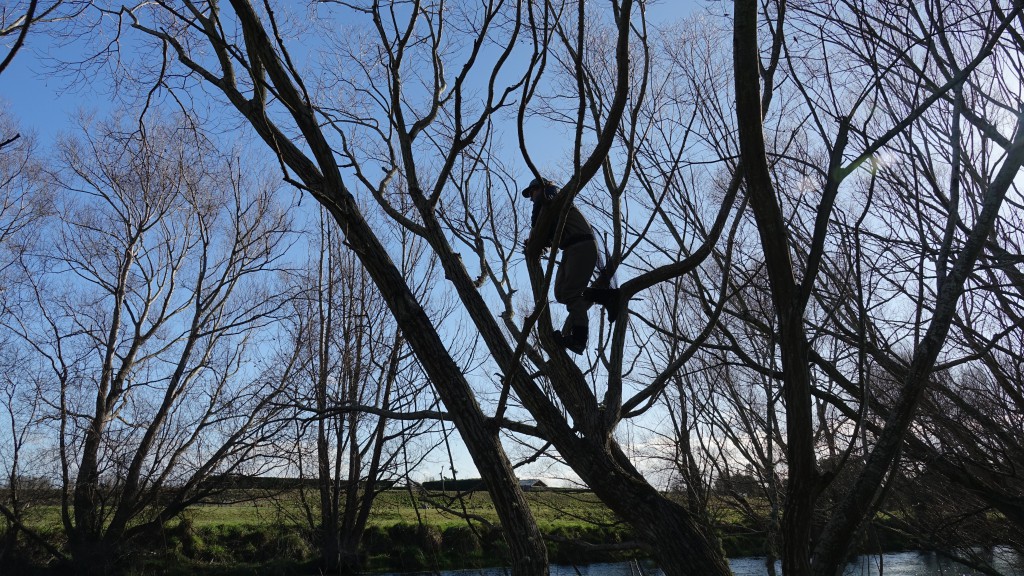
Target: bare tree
15	21
157	272
890	62
362	401
11	25
24	202
959	155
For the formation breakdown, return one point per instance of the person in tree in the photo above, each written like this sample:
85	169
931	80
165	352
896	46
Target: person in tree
579	259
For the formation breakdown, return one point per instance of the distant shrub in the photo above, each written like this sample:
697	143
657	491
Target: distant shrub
422	536
429	538
403	534
376	540
183	539
490	536
745	538
294	545
237	543
582	544
497	548
409	558
460	540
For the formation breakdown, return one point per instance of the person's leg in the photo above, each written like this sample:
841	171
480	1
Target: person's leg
573	276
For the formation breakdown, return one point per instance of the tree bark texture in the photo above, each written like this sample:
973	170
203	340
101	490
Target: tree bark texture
793	345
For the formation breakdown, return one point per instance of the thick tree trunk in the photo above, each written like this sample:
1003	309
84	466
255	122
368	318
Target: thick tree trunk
88	525
329	514
793	347
680	544
91	551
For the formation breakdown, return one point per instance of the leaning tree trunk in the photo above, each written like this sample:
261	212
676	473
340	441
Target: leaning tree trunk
321	177
526	546
680	543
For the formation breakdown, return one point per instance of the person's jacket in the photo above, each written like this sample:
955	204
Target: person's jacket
577	228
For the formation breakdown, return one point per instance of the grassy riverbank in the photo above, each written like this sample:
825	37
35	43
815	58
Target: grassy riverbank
405	532
268	534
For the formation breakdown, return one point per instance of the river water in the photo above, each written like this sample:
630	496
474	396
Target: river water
895	564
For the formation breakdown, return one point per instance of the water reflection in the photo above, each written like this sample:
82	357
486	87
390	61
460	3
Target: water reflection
930	564
896	564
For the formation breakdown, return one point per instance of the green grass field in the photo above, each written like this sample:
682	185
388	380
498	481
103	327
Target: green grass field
405	532
552	510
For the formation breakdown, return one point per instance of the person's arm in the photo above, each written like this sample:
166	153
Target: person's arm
538	206
539	240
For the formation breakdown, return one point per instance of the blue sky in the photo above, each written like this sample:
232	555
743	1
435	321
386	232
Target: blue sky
36	100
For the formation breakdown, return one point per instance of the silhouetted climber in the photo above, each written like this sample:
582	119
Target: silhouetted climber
579	258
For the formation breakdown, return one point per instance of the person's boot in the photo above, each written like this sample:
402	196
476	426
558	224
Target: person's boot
606	297
576	342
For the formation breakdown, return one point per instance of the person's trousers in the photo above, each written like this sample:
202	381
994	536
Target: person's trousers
578	262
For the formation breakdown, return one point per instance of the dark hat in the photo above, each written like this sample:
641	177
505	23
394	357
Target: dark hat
535	183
